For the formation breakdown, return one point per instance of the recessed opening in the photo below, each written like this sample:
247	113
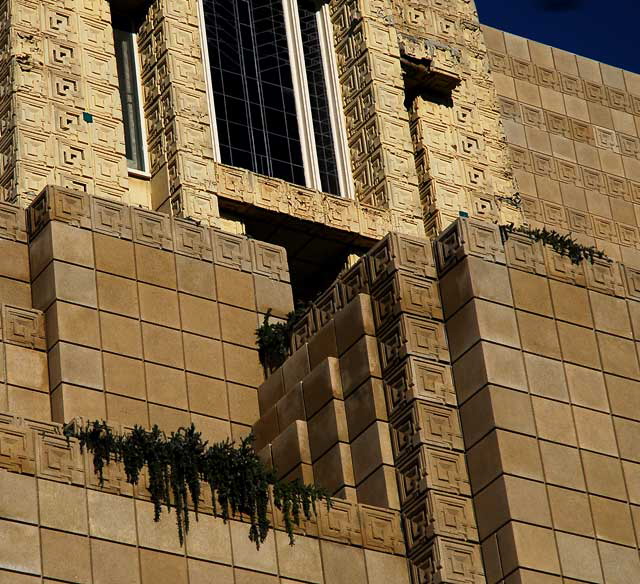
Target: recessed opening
420	80
316	253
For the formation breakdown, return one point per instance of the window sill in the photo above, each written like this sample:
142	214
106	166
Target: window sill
141	174
242	188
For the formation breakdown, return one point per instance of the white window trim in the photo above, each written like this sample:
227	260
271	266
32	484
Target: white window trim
209	82
135	172
338	121
301	94
301	90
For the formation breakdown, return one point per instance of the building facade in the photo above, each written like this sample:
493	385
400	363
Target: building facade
173	170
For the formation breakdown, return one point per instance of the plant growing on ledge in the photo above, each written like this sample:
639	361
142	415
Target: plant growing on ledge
179	464
562	244
274	340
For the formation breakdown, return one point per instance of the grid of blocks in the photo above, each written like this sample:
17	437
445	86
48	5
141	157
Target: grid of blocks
573	128
545	362
470	403
149	320
136	307
107	534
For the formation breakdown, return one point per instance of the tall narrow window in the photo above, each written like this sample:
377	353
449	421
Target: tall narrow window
274	90
319	100
124	37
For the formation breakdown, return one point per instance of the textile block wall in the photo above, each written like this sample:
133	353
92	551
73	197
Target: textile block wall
58	66
572	125
545	363
106	535
146	320
149	320
472	407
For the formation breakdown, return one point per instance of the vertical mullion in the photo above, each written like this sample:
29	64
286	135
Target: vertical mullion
301	90
334	95
209	81
245	82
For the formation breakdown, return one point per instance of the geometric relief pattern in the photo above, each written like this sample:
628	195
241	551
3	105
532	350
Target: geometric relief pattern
12	223
368	66
41	449
425	430
426	436
460	146
399	276
49	83
592	150
17	447
23	327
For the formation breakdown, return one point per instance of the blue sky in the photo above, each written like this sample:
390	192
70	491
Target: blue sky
604	31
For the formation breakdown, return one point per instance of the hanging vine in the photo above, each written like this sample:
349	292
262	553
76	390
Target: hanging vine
274	339
179	464
562	244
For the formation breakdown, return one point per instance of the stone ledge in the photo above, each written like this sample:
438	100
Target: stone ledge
242	189
33	447
430	65
154	229
473	237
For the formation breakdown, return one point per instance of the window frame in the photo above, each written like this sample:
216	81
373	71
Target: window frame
338	120
145	173
302	98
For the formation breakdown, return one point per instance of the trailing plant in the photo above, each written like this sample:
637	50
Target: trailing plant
274	339
178	465
562	244
273	342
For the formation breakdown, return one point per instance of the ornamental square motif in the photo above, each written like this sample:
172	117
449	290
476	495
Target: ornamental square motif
12	223
327	305
152	229
17	448
355	281
269	260
59	460
192	240
23	327
111	218
231	250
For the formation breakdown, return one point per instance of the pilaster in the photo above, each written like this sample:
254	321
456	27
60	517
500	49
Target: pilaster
370	366
177	111
459	142
61	113
373	95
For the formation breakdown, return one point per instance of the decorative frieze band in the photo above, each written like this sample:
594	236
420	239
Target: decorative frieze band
470	237
41	449
157	230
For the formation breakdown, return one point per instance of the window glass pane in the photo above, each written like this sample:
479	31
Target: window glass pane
252	87
319	99
125	47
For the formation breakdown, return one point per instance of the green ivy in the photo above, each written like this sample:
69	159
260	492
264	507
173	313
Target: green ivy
179	464
562	244
274	340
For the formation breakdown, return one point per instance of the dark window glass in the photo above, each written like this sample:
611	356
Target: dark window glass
125	46
252	88
319	98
